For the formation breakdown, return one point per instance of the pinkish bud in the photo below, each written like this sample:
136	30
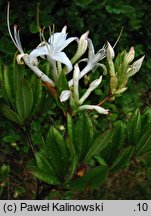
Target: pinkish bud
129	57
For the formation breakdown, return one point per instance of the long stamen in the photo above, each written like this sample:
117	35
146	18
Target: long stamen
8	25
40	35
118	37
51	32
52	35
17	39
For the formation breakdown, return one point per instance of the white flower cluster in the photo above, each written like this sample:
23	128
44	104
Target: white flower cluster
54	54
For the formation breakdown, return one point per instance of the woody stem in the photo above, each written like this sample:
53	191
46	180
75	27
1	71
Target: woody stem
106	99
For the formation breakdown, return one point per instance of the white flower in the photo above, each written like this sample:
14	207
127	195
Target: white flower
92	60
53	49
16	40
76	75
99	109
92	86
74	96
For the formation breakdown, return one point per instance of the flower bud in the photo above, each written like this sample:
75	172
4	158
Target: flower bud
64	29
128	58
113	84
120	91
76	75
82	47
65	95
110	54
95	83
135	67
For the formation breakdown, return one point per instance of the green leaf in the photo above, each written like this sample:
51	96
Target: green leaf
100	160
1	69
43	170
33	27
17	75
11	115
83	135
91	180
57	152
73	167
99	144
122	159
70	145
83	3
8	83
62	83
146	121
134	128
116	143
43	163
44	176
70	126
144	144
4	172
24	99
37	94
6	45
11	137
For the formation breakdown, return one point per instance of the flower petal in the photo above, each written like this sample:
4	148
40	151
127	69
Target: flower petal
65	95
92	86
99	109
57	39
76	74
64	29
62	57
39	51
66	43
19	58
91	48
135	67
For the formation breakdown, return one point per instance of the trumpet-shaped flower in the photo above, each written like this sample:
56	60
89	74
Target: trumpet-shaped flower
53	50
74	96
76	75
92	61
99	109
92	86
17	42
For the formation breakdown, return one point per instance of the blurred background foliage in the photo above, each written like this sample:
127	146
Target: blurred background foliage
104	19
